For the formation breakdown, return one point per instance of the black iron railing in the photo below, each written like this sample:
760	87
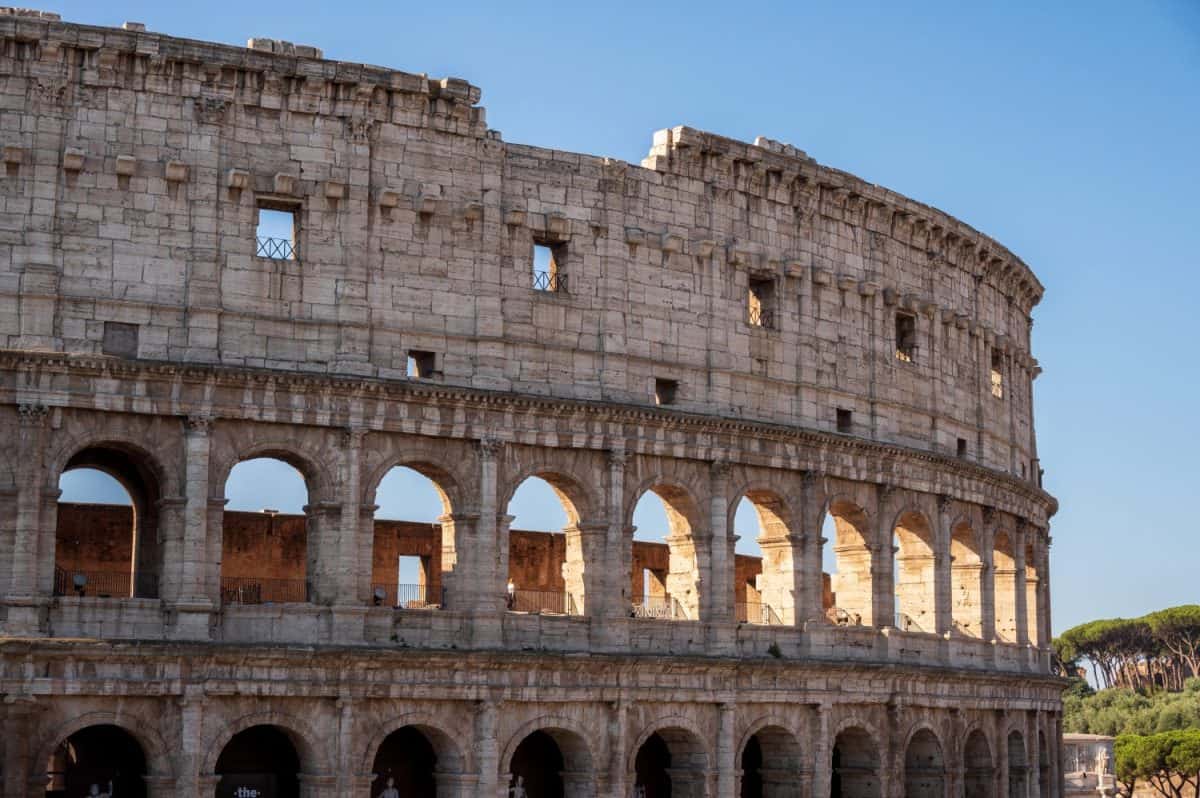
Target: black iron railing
98	584
275	248
252	590
761	317
552	282
405	597
543	602
756	612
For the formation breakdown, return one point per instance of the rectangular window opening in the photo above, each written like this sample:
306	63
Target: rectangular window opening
760	301
549	267
665	391
906	337
997	374
275	235
962	447
845	420
421	365
410	581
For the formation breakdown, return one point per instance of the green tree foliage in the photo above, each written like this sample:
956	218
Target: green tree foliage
1157	651
1119	710
1168	762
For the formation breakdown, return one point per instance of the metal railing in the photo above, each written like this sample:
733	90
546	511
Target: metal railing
761	317
541	602
251	590
840	617
663	607
97	584
906	623
552	282
404	597
274	248
757	613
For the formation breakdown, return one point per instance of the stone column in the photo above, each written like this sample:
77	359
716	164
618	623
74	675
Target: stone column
987	578
485	562
1033	783
611	629
617	740
21	600
191	743
1002	754
716	605
943	598
1021	602
349	608
953	754
347	748
822	752
891	783
19	772
727	751
321	524
812	509
487	748
195	603
583	571
883	560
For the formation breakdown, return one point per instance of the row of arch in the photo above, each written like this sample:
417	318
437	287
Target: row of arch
551	759
994	585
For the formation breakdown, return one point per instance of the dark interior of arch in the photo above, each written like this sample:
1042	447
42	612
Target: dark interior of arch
752	762
979	771
1016	765
539	763
651	765
855	766
121	559
407	758
97	755
924	768
260	758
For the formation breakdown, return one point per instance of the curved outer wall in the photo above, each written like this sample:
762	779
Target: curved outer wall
137	321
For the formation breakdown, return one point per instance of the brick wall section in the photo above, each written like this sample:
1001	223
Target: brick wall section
94	537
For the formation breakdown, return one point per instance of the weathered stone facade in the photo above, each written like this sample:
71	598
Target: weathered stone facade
725	321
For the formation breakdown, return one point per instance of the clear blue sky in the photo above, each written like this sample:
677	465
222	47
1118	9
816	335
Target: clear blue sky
1068	131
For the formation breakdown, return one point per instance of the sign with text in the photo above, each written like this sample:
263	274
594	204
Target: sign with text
247	785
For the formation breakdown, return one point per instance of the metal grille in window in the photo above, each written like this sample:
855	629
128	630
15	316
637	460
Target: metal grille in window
275	248
550	281
762	317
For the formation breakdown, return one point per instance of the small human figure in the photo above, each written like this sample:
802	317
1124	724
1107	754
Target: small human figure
639	791
518	789
512	594
94	791
390	790
1102	762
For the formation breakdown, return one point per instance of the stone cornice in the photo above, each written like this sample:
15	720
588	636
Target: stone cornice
356	389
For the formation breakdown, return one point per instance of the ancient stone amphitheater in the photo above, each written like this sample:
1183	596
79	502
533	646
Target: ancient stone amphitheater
726	321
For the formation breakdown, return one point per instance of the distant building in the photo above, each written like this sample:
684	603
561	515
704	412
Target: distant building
1088	765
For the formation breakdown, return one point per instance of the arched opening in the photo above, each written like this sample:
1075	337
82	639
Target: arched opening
412	540
1018	765
1032	579
269	534
924	767
546	557
106	541
979	774
1043	766
1004	575
405	762
666	567
849	601
551	763
913	571
966	581
765	564
770	764
855	771
671	763
260	760
97	760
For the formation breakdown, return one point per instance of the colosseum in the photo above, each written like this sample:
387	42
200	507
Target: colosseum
213	254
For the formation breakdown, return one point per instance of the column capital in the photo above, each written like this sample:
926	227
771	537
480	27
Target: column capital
720	468
944	502
989	515
618	458
198	424
489	449
352	437
31	414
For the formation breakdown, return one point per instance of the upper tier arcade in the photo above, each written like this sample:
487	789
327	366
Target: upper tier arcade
727	279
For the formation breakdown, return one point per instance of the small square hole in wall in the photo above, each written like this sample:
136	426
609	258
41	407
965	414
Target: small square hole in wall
665	391
845	420
421	364
549	266
962	447
906	337
275	235
120	339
